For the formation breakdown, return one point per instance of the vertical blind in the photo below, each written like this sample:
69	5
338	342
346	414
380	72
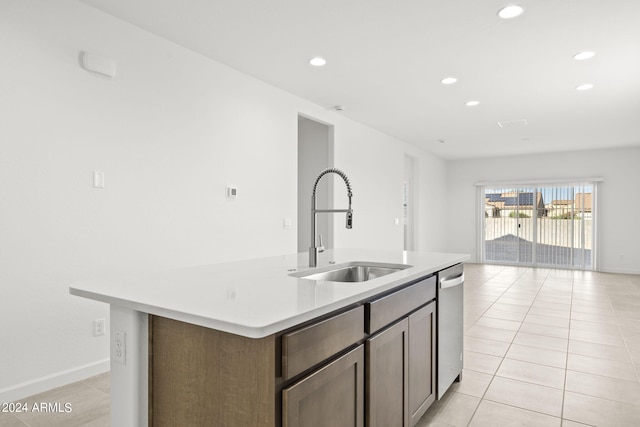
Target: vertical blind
549	224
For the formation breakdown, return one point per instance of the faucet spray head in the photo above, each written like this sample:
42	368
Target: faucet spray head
350	220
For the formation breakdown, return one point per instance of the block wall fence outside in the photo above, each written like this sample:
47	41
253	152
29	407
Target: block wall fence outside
553	232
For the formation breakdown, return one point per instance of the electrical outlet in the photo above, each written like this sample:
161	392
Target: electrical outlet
98	327
119	347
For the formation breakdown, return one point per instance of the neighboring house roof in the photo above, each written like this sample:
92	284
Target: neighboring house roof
561	202
583	201
513	199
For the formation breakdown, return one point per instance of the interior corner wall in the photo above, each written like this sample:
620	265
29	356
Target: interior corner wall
313	158
375	164
170	132
617	241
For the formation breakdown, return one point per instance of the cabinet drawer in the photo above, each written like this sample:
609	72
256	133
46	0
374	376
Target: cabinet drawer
331	396
393	306
309	346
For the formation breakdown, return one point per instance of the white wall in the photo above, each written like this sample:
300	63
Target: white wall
618	199
170	132
376	169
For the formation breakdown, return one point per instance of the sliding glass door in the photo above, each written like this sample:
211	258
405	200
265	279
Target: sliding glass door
508	227
566	231
550	225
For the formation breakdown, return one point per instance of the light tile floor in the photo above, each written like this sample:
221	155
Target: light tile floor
542	348
89	402
546	347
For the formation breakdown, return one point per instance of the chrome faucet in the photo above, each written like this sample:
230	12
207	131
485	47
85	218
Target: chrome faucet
317	247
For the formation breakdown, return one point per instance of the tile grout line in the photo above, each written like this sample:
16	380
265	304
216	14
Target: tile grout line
473	414
554	284
603	286
505	356
510	344
482	398
566	361
626	346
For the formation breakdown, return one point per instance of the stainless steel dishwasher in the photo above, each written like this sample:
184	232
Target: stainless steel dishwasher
450	327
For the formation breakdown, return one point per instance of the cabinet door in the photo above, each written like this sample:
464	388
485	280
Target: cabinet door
421	362
387	356
331	396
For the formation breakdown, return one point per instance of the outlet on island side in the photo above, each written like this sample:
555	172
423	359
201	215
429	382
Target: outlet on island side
119	347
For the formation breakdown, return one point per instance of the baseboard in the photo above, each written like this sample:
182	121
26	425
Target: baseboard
599	270
619	271
48	382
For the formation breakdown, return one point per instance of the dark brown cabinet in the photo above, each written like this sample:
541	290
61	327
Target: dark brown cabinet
331	396
369	364
311	345
400	359
422	368
387	376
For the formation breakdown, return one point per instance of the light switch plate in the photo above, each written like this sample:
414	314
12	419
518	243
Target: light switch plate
98	179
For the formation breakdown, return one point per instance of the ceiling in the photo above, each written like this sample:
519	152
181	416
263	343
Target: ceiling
385	61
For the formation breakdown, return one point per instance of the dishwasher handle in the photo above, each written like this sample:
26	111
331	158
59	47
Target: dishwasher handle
450	283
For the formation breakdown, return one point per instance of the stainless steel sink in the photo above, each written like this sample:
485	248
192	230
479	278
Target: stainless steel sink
352	272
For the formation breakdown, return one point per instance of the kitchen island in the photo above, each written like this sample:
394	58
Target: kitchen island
227	327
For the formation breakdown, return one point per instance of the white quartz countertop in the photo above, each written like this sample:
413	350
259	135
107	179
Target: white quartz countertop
256	298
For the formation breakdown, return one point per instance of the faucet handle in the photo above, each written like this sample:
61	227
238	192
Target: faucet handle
320	245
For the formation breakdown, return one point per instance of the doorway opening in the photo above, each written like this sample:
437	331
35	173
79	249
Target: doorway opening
410	203
315	153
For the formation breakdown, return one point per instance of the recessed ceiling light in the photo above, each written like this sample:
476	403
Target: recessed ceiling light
585	86
472	103
317	61
510	11
583	55
448	80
